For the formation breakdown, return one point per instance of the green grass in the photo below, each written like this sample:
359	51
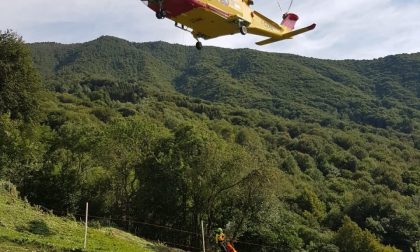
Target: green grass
26	228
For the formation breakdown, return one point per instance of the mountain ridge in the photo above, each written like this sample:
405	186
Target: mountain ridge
251	78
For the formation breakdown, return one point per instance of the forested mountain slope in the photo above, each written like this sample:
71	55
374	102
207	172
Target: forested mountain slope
288	153
382	93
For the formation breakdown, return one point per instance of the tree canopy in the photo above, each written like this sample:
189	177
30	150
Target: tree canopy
277	149
19	81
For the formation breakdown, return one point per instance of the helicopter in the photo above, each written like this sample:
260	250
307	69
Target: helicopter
208	19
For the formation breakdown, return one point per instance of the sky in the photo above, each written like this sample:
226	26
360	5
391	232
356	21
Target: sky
346	29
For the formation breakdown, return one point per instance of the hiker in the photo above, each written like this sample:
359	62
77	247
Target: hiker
220	240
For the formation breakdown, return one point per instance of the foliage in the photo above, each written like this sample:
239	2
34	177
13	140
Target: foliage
351	237
19	81
274	148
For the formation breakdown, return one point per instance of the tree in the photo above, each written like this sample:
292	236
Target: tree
350	237
125	145
21	149
19	81
311	205
190	176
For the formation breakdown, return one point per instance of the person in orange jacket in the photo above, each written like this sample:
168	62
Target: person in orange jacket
221	241
230	247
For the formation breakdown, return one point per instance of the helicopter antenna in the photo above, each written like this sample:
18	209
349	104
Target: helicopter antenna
290	5
278	3
281	9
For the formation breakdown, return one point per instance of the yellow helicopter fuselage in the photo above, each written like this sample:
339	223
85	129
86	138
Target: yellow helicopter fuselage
213	18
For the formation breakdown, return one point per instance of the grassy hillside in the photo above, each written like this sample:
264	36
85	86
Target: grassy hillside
27	228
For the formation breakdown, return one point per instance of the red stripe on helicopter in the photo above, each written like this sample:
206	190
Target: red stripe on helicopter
176	7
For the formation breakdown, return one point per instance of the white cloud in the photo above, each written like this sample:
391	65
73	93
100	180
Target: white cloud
346	29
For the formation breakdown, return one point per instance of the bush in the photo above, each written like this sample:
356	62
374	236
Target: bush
9	188
39	227
351	238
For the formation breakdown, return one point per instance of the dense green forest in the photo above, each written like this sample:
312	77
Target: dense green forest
286	153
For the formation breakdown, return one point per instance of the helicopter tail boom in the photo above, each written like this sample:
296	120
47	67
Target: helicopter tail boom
288	35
